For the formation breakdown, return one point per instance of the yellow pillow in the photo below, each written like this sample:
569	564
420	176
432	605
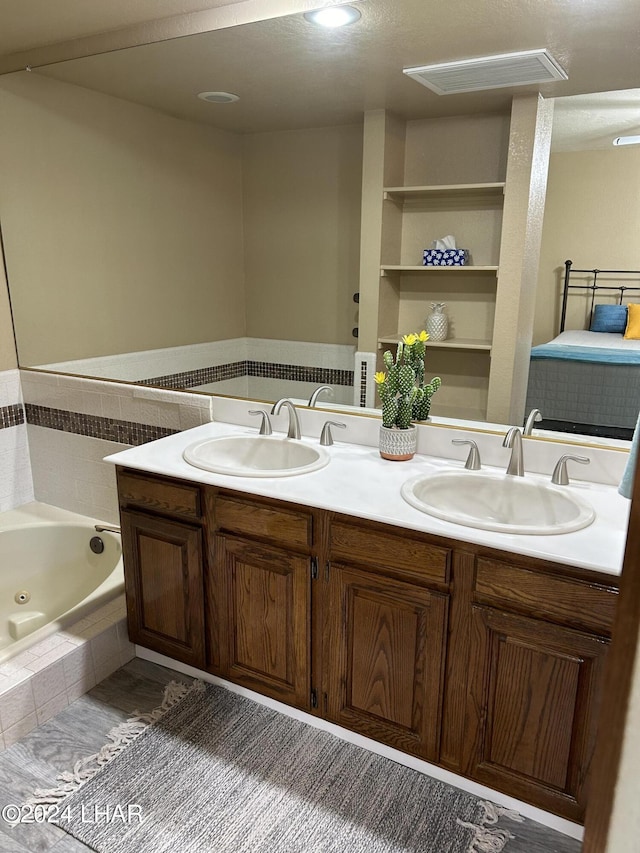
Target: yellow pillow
633	323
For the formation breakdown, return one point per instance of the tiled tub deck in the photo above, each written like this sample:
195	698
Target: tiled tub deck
40	682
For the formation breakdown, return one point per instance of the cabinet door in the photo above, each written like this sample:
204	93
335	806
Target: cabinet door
534	692
385	659
163	581
264	629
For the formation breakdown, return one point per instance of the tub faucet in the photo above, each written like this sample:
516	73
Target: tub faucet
534	417
294	422
513	439
110	528
313	399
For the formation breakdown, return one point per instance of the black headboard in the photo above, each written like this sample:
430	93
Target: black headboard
594	286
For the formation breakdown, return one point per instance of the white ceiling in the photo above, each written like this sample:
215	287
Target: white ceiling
32	23
290	74
590	122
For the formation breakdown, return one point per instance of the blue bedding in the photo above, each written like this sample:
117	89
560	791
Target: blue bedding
599	355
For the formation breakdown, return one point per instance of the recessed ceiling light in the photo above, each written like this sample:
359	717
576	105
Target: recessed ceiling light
333	16
218	97
627	140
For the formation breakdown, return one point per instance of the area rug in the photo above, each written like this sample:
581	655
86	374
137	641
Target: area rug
214	771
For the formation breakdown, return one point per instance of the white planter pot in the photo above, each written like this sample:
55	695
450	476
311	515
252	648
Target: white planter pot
398	445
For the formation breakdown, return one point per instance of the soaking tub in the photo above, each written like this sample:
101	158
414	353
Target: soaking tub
49	575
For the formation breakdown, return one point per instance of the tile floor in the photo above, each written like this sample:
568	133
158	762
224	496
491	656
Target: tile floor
80	730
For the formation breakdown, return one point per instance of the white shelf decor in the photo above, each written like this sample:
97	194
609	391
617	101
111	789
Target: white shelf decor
443	190
467	268
451	343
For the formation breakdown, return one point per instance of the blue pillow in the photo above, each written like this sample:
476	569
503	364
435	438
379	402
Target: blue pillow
609	318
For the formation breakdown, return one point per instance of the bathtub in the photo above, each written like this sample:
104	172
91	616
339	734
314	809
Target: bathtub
49	576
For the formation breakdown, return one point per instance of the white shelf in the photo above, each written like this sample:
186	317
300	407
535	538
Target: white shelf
467	268
453	343
442	190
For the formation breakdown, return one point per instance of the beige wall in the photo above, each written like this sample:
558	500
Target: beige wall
302	193
457	150
591	217
8	359
624	830
122	226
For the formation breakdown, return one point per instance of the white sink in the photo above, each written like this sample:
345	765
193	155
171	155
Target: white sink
255	456
498	502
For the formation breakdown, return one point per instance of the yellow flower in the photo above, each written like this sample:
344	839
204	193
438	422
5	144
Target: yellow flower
423	336
380	378
410	340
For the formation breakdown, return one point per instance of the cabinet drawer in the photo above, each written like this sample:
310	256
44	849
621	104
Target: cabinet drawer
164	496
569	601
410	555
253	518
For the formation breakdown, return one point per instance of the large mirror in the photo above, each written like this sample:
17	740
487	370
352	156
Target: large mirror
154	236
591	218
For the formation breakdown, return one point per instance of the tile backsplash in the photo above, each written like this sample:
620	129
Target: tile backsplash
16	486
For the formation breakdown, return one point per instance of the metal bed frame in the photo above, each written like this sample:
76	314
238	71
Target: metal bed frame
593	286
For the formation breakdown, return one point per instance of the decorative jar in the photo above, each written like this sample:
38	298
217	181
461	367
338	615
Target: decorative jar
437	323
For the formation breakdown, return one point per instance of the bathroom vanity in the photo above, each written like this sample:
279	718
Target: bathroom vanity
486	662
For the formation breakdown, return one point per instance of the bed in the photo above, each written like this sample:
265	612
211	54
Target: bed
585	381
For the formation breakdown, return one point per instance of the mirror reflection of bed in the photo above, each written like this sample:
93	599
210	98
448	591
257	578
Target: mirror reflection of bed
587	379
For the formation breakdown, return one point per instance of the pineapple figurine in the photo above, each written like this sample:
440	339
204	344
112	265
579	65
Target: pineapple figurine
437	323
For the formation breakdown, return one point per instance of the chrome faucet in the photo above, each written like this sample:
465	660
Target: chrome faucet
110	528
294	422
326	439
560	476
513	439
473	459
265	424
313	399
534	417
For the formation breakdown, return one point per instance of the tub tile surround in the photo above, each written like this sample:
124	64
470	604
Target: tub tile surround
16	485
235	360
41	682
73	423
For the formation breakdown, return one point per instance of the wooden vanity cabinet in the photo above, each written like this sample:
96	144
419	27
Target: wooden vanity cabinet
386	634
487	665
259	595
164	561
538	643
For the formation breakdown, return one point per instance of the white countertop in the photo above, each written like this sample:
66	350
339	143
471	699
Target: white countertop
358	482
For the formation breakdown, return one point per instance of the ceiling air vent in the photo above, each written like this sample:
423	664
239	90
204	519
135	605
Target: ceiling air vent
488	72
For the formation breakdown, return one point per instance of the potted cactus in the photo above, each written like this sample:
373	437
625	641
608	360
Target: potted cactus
405	396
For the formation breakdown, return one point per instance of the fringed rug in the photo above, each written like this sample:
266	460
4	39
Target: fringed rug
213	771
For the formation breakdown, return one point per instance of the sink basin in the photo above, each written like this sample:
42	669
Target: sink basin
498	502
255	456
